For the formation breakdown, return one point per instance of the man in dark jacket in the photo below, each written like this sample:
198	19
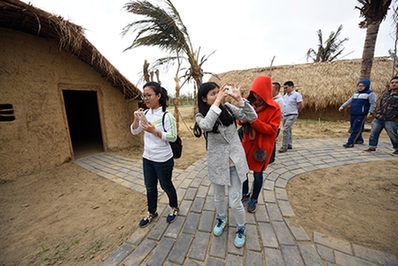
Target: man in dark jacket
363	102
386	117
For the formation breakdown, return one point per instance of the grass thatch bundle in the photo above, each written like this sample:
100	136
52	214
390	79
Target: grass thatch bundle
23	17
323	85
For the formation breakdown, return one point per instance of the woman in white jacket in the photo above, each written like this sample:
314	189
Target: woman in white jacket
226	160
158	159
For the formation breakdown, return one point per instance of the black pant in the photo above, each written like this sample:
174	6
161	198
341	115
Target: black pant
274	151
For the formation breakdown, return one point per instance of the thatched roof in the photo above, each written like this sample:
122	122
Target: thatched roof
23	17
322	84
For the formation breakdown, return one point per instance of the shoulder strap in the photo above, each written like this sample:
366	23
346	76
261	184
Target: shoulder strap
230	112
163	121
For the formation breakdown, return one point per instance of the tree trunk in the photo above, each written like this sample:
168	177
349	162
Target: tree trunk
177	103
369	49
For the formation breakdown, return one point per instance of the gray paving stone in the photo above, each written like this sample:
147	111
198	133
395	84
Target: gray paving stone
180	249
310	255
185	206
192	263
174	229
285	208
161	252
375	255
136	238
206	221
261	214
118	256
280	193
282	183
197	205
298	232
326	253
268	235
273	212
191	224
282	233
253	258
291	255
252	238
233	260
334	243
139	254
348	260
199	246
214	262
273	257
268	185
269	196
202	191
191	193
158	229
218	246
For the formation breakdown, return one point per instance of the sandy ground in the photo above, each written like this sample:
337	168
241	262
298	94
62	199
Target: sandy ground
66	215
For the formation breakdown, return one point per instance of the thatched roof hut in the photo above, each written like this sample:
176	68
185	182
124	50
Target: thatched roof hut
29	19
324	86
60	98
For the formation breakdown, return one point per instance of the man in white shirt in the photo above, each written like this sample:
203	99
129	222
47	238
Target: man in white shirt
276	87
293	106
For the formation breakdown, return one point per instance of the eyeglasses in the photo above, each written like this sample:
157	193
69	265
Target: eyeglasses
146	96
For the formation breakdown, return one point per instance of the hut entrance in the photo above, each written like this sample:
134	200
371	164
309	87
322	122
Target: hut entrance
84	122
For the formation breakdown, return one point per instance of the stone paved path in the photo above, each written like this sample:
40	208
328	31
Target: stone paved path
271	239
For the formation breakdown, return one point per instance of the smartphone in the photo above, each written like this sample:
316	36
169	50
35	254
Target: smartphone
142	117
229	89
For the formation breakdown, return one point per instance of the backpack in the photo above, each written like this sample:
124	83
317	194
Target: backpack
176	146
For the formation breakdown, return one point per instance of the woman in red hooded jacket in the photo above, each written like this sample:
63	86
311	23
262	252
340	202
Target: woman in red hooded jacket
259	136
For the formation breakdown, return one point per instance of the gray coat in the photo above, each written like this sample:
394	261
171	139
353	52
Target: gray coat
226	144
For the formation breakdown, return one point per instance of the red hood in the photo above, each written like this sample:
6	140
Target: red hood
262	86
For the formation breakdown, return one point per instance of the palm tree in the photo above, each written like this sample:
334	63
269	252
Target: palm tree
332	49
164	28
373	12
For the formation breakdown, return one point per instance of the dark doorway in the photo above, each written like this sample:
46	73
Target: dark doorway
84	122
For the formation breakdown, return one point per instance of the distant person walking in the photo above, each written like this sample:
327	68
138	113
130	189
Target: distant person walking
226	161
277	97
293	106
386	118
363	103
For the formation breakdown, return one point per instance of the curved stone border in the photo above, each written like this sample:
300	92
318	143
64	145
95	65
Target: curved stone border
270	236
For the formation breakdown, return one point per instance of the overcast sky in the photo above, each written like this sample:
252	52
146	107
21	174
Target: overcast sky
244	36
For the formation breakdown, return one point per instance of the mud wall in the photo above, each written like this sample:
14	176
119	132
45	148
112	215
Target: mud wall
33	73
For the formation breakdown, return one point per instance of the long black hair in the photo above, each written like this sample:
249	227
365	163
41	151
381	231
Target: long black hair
159	90
225	117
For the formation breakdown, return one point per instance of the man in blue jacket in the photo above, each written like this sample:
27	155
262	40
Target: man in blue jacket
363	103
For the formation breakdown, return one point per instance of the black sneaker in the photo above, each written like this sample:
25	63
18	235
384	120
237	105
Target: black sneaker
395	152
148	219
245	197
348	145
172	216
290	147
252	206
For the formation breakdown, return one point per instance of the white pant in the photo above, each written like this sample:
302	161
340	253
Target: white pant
234	194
